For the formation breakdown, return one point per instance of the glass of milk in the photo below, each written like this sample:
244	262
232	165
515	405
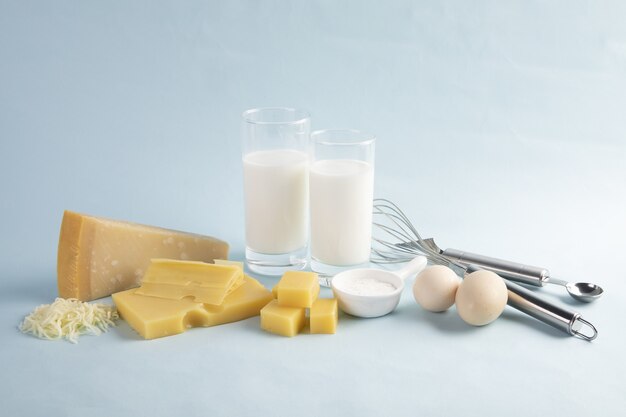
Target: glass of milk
341	183
276	188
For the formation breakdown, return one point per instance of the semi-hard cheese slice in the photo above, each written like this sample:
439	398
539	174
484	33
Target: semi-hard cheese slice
202	282
154	317
229	262
98	257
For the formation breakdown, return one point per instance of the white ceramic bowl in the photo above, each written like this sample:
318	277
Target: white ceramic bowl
373	305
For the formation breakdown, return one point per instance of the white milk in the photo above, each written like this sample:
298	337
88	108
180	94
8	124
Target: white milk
276	191
341	211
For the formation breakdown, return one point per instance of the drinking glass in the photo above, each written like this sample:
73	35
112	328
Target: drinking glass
276	188
341	182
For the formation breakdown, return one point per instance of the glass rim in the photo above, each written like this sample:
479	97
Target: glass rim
303	115
361	138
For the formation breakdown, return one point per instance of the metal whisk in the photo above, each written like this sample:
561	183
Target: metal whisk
396	240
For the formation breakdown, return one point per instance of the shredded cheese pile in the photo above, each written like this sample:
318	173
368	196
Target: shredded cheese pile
69	318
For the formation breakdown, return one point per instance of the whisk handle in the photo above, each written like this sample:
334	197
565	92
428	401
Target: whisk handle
527	274
549	313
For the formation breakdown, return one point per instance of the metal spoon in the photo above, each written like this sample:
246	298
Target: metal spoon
581	291
526	274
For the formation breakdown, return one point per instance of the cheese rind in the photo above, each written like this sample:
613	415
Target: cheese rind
323	316
282	320
154	317
298	289
98	257
203	282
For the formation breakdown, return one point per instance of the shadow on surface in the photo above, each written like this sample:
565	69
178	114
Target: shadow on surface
446	321
567	299
124	331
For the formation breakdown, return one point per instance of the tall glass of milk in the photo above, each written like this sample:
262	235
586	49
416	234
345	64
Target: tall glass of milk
341	182
276	188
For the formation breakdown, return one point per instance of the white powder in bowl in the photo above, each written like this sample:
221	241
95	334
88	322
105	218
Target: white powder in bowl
367	286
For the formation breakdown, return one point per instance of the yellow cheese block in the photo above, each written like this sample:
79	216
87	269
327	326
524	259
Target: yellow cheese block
154	317
227	262
202	282
281	320
323	316
98	257
298	289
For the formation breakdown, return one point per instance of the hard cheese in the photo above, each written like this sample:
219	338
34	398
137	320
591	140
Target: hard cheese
297	289
154	317
228	262
323	316
282	320
98	257
202	282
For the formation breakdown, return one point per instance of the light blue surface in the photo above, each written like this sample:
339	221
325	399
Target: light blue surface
500	129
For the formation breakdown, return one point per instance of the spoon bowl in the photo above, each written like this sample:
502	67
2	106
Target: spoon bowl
584	291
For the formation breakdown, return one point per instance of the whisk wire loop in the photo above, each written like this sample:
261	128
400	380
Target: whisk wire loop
396	240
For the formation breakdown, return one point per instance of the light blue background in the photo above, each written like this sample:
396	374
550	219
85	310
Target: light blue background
501	130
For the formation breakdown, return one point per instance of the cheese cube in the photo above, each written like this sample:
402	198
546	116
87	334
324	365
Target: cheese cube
323	316
298	289
282	320
98	257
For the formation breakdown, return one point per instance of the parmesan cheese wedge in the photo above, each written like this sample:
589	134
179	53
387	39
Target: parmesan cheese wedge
98	257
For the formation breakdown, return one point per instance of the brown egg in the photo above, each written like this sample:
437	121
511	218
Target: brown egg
481	298
435	288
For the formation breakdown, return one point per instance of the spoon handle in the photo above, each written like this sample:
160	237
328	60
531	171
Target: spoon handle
527	274
557	282
416	265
